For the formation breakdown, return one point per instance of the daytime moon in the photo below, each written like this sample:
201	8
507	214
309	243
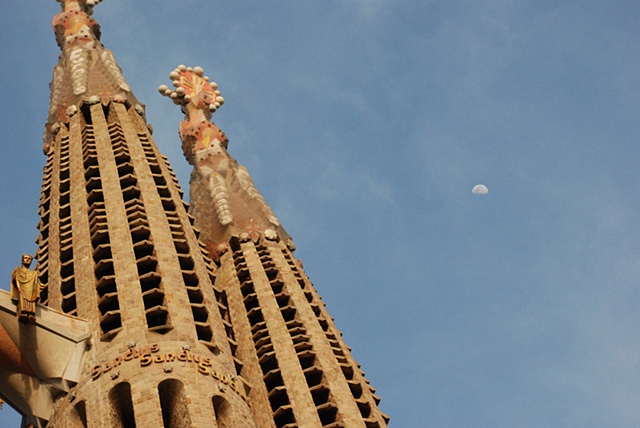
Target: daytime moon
480	189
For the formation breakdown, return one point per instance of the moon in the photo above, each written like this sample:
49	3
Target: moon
480	189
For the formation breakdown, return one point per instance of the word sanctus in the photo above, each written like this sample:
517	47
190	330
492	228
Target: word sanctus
151	355
131	354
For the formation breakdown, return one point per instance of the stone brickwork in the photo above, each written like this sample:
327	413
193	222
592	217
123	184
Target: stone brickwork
131	265
302	372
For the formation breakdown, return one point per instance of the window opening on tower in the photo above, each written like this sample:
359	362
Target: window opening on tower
222	412
173	401
122	414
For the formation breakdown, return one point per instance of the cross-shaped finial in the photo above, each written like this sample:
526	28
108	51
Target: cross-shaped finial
193	89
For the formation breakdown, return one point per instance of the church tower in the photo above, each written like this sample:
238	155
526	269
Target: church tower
117	249
146	321
301	371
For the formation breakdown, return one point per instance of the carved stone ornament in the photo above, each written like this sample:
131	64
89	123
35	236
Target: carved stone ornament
222	192
87	72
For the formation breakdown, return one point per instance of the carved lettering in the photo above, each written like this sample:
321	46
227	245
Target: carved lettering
145	360
202	368
132	353
96	371
204	365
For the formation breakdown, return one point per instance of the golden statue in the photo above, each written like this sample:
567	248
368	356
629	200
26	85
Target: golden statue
25	289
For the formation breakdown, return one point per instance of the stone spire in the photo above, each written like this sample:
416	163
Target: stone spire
86	72
301	371
122	261
226	195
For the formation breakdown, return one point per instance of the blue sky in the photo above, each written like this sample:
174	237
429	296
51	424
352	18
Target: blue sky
365	124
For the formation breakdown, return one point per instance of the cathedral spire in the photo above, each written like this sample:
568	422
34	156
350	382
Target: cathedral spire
87	72
301	371
121	259
222	187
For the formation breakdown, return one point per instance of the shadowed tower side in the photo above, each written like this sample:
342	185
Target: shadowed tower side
301	371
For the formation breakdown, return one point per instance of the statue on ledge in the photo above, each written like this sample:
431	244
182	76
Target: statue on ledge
25	289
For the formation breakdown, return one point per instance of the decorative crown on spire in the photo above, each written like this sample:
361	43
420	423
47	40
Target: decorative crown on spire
193	87
219	185
199	98
87	72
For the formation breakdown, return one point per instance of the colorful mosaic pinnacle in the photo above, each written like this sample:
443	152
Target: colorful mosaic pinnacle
87	73
199	98
194	88
223	188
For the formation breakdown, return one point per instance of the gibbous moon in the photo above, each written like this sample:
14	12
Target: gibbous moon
479	189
